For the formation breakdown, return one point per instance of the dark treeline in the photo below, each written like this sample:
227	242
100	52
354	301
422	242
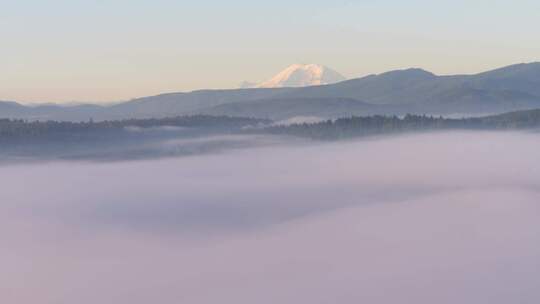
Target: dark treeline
377	125
22	129
32	131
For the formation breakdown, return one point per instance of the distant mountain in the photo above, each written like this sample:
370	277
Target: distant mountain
414	91
174	104
11	109
80	112
385	88
416	86
399	92
511	88
298	75
277	109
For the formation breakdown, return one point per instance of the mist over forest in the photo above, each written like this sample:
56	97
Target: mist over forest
132	139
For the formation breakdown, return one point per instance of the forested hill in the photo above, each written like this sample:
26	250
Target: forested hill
379	125
22	129
198	125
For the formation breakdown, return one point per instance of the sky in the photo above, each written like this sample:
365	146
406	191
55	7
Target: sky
99	51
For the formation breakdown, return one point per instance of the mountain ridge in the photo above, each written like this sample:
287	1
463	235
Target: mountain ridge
414	90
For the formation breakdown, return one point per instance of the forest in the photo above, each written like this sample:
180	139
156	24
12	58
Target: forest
22	130
379	125
355	126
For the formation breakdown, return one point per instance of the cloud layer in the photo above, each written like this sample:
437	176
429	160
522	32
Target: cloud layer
434	218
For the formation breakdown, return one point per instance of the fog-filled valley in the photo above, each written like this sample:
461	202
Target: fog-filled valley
440	217
269	152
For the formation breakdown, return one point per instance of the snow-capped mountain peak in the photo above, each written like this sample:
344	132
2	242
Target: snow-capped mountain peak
298	75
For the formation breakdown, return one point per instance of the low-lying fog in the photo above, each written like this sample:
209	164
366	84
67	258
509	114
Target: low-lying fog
433	218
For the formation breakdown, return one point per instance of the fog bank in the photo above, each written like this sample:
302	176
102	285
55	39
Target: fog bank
434	218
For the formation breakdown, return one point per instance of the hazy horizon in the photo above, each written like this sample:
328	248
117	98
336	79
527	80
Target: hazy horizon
86	51
107	102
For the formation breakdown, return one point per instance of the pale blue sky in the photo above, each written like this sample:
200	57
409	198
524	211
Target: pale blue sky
117	49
